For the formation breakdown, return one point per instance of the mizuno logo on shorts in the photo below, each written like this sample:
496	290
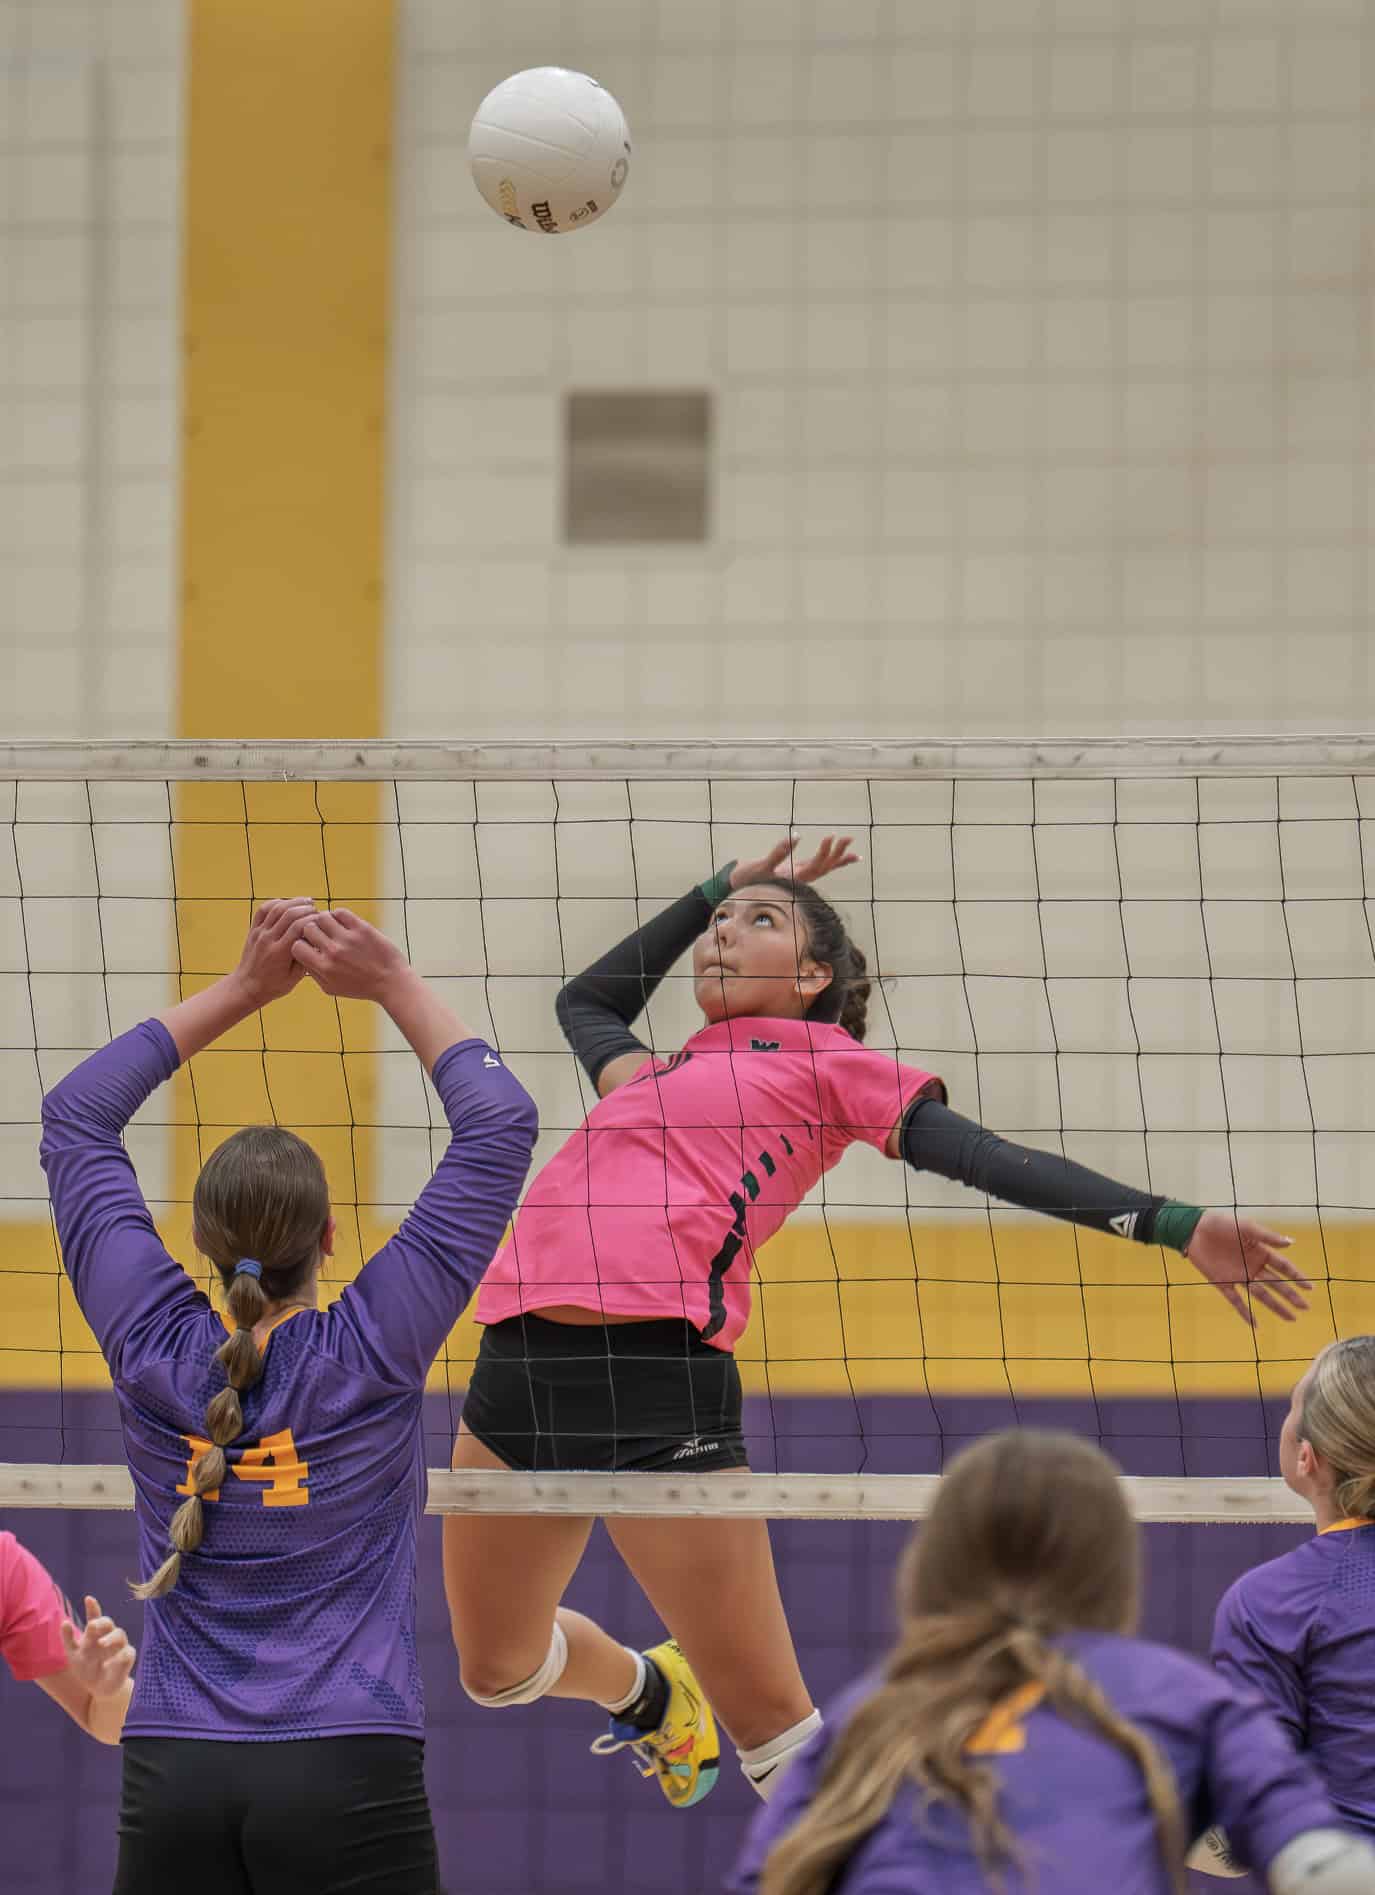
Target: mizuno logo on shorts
689	1448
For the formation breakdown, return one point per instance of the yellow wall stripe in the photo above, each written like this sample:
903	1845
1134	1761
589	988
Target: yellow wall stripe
285	307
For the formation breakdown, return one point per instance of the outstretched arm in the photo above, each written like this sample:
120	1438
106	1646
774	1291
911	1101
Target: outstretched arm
596	1007
1230	1251
120	1270
408	1297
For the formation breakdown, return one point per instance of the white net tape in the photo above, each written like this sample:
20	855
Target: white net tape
1154	955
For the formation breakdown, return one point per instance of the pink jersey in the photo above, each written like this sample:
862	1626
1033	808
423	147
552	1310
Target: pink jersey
31	1613
657	1205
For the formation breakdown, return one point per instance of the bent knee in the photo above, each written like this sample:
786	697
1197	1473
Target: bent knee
497	1678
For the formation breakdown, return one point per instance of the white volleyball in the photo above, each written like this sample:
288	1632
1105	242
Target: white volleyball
549	149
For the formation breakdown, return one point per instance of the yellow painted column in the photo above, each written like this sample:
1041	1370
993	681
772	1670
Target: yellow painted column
286	281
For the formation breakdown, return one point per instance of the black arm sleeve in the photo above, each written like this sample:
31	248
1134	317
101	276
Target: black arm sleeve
596	1007
936	1139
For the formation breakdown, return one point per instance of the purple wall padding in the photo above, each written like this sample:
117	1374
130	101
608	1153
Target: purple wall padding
520	1804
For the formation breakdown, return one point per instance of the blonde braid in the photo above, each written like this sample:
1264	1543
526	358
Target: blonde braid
243	1366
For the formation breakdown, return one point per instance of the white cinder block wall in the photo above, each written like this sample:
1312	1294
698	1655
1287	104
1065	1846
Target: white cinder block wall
1040	337
90	247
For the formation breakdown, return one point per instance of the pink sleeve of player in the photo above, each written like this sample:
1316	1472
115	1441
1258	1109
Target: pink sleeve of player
865	1092
31	1613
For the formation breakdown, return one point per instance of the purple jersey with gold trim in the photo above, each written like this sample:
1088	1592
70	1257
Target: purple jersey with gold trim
1301	1631
1075	1802
296	1616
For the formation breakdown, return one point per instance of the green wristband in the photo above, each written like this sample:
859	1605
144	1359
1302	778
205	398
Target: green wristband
1175	1224
717	886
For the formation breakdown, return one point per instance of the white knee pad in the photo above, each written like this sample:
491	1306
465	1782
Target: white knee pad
537	1684
764	1766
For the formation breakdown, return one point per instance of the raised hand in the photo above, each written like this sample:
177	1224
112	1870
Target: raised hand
833	852
346	956
266	969
100	1656
1233	1252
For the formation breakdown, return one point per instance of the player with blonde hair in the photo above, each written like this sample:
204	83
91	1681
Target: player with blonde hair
1301	1628
1020	1737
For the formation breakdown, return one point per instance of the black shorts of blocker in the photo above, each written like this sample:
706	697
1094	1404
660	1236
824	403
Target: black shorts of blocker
322	1814
647	1397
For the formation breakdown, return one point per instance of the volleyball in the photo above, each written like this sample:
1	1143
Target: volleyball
549	150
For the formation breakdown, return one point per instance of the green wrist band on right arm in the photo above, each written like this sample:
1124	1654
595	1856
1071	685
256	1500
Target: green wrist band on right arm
717	887
1175	1224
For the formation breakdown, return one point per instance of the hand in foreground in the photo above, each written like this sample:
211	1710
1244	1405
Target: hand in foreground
1236	1255
833	852
100	1656
266	969
346	956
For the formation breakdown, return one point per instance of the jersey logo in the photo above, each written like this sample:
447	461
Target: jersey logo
490	1059
1124	1223
692	1448
766	1046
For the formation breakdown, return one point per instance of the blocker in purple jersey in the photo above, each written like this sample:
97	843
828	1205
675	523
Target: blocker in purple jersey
1301	1631
295	1617
1076	1804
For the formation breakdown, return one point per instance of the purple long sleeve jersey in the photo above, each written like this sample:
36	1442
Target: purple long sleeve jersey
1301	1630
296	1616
1075	1802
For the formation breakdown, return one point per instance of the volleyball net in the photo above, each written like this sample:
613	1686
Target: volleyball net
1154	956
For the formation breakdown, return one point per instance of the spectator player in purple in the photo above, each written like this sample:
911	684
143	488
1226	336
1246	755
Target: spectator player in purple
612	1311
275	1739
1020	1737
86	1672
1301	1629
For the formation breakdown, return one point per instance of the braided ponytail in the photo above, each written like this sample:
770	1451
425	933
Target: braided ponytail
243	1366
262	1193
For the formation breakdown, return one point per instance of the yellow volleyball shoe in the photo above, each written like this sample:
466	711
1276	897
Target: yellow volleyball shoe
682	1752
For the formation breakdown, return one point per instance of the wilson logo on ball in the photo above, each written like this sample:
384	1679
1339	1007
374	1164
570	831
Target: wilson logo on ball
549	150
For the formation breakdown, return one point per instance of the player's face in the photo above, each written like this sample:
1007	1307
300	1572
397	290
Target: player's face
754	959
1297	1463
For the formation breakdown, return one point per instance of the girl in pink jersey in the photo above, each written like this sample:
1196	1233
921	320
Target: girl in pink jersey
611	1311
87	1672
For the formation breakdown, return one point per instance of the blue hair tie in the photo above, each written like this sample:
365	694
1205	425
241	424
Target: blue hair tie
246	1266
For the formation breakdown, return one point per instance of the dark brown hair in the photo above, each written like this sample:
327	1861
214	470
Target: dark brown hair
261	1197
1029	1538
845	998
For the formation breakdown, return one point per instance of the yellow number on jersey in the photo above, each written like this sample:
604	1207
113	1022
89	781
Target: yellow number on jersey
274	1461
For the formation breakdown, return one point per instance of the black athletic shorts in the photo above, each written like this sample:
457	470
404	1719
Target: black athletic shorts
646	1397
319	1814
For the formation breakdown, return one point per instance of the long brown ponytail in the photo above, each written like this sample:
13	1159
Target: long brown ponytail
260	1210
1029	1538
